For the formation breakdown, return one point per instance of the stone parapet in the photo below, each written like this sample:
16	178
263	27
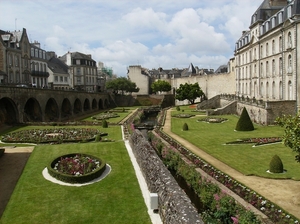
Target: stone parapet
174	205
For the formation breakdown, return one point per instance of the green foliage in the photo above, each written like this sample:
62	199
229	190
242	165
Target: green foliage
244	123
189	92
161	86
104	124
178	108
276	165
97	138
185	127
122	85
291	137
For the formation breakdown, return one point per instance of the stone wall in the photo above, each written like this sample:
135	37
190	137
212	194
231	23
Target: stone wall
260	112
174	205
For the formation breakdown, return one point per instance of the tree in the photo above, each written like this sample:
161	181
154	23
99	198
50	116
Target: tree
122	85
291	136
244	123
189	92
161	86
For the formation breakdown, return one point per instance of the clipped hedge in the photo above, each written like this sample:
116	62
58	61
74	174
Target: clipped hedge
276	165
244	123
76	179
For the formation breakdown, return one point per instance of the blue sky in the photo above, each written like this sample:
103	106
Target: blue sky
120	33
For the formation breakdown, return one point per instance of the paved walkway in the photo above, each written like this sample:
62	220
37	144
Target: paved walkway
285	193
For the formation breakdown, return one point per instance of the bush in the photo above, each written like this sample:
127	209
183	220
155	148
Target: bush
178	108
104	124
276	165
2	150
185	127
97	138
244	123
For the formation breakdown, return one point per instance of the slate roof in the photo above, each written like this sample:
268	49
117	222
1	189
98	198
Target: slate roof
57	66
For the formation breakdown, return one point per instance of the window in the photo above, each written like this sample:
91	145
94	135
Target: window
36	53
273	47
267	26
289	11
267	69
17	61
66	79
280	66
61	79
290	66
273	67
280	43
78	80
267	49
40	54
273	22
32	52
261	51
56	78
78	71
290	43
280	17
77	62
261	70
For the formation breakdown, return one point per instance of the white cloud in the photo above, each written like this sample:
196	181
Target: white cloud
120	33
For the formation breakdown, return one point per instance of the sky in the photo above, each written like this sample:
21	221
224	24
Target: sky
119	33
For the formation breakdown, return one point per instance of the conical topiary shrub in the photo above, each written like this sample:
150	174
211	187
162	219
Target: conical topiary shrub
104	124
185	127
276	165
244	123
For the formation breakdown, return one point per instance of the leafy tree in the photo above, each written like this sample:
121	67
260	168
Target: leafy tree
161	86
291	136
122	85
189	92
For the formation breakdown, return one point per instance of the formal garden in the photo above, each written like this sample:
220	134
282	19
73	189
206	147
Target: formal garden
253	152
115	199
249	152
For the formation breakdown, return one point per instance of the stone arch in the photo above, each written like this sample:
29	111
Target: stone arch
32	111
280	90
66	109
8	111
51	110
94	104
77	106
290	90
86	105
100	104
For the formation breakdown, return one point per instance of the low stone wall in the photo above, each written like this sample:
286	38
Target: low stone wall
174	205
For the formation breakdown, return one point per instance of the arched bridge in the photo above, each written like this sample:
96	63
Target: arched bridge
18	105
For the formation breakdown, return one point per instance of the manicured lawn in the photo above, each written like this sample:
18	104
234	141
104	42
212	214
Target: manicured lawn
211	137
115	199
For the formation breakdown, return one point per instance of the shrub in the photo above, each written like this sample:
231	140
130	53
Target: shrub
244	123
104	124
185	127
97	138
2	150
276	165
178	108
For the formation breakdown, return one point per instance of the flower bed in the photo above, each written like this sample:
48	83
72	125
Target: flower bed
183	115
213	119
76	168
57	135
257	141
105	116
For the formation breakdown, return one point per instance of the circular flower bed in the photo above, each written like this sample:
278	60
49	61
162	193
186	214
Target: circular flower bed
213	119
76	168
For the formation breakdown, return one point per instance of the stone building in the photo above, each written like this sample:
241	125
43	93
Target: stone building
15	58
140	77
83	69
39	71
267	55
59	76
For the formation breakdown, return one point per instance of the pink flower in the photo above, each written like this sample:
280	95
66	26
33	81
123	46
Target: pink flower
235	220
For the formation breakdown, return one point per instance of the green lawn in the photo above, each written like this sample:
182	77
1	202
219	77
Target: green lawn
247	159
115	199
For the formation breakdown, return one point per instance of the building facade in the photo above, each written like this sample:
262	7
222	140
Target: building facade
15	58
267	55
83	70
39	71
